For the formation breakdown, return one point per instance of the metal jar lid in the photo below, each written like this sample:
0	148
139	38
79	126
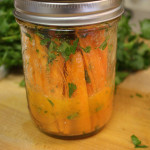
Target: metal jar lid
67	12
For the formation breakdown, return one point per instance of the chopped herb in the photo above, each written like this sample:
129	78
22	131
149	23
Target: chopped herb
66	49
72	116
103	45
87	49
53	46
22	83
51	57
72	88
110	47
51	102
137	142
39	109
37	50
40	35
139	95
141	146
45	41
74	46
87	78
45	111
56	40
29	36
98	108
131	96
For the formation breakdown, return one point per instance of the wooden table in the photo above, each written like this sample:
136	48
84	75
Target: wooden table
131	116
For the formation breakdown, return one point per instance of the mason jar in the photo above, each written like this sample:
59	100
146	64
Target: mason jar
69	56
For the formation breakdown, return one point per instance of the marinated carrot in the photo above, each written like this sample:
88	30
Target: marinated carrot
101	107
93	62
79	118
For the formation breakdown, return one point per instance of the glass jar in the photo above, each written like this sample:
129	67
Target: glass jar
69	56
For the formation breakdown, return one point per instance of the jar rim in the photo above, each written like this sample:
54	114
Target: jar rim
61	13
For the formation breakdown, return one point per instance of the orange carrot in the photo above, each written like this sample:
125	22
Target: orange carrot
93	61
78	120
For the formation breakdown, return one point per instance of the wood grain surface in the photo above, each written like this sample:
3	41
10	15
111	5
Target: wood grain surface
131	116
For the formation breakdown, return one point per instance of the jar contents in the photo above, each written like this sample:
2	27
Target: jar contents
69	74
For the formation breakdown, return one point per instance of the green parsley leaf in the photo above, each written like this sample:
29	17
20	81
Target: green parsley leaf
29	36
53	46
72	88
40	35
22	83
52	104
103	45
131	96
87	49
139	95
137	142
37	50
87	78
74	46
98	108
45	111
72	116
141	146
145	28
67	49
51	57
45	41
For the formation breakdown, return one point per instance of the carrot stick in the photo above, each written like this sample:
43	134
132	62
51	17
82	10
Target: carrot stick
96	65
93	62
78	119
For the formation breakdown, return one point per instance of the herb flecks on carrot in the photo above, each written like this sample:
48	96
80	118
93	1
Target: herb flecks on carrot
72	89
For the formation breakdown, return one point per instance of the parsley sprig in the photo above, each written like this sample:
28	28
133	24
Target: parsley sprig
137	142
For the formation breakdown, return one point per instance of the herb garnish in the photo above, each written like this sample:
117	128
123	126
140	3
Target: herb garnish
139	95
87	49
67	49
72	116
22	83
137	142
52	104
37	50
131	96
72	88
45	111
40	35
103	45
51	57
87	78
45	41
29	36
52	46
98	108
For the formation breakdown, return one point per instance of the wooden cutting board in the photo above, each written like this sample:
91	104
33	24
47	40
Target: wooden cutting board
131	116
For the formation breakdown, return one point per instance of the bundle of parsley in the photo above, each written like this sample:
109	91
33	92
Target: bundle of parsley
132	53
10	47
